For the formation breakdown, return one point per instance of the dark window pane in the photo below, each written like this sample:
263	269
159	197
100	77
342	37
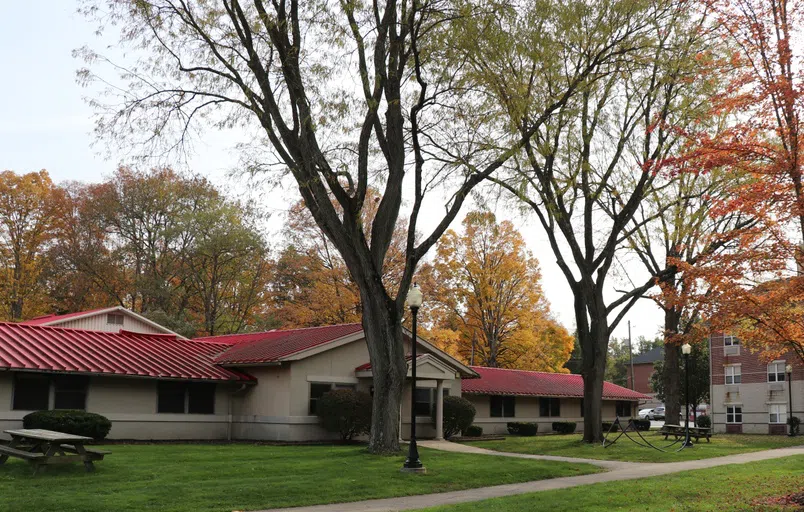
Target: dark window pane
496	406
31	392
171	397
544	407
316	392
581	407
201	398
555	407
509	407
424	401
70	392
114	318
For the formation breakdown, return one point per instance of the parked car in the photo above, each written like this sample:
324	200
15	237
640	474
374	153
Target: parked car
644	413
657	414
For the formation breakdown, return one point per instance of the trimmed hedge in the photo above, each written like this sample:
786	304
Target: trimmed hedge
517	428
704	421
643	425
795	425
607	425
564	427
473	431
346	412
79	423
459	413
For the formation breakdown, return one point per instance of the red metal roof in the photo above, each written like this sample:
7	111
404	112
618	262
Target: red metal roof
273	346
46	319
32	347
498	381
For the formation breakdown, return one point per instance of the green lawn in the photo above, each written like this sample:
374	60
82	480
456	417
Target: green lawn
248	477
625	450
733	487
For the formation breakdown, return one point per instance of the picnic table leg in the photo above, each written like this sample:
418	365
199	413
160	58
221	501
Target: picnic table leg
15	441
88	465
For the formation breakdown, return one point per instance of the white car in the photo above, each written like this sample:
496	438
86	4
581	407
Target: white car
643	413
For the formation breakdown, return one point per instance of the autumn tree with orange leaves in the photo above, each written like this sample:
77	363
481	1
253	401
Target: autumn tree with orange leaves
757	290
486	304
31	209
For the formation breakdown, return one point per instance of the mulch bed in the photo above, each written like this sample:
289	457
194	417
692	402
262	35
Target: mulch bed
795	500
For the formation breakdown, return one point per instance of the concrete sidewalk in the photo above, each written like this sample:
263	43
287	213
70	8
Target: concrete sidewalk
619	471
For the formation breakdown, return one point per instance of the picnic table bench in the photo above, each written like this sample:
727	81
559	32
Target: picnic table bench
680	431
44	447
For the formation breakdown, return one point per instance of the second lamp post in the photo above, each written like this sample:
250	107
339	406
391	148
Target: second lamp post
413	464
686	349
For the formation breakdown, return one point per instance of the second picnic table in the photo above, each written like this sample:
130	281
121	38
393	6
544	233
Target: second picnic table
680	431
43	447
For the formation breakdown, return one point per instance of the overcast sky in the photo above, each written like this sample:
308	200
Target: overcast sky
46	124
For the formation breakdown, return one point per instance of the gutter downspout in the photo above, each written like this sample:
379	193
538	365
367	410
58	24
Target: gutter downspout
229	411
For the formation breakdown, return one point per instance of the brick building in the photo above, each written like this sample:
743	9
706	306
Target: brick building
643	369
749	395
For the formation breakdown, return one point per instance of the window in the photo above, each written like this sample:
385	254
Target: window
31	392
730	341
581	407
171	397
70	392
623	409
778	413
733	375
503	406
776	372
734	414
316	392
200	398
549	407
425	401
114	318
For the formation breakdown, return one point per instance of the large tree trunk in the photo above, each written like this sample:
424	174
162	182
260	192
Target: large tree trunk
593	336
672	370
383	330
592	371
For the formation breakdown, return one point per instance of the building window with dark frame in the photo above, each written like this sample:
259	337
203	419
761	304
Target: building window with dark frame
730	341
581	407
734	414
623	409
31	392
778	413
185	397
502	406
549	407
425	401
70	392
317	390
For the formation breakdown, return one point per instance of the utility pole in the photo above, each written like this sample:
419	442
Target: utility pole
630	355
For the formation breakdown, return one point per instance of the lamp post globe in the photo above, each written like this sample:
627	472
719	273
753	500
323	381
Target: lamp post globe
789	370
686	349
413	464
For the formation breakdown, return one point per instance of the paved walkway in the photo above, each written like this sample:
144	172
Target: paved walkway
618	471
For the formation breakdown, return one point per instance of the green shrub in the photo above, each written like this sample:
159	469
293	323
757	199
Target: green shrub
459	413
346	412
79	423
473	431
607	425
564	427
704	421
522	429
795	425
643	425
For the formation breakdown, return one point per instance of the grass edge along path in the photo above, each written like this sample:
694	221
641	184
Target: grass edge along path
627	451
749	486
185	477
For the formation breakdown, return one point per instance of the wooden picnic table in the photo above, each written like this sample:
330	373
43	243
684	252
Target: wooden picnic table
44	447
680	431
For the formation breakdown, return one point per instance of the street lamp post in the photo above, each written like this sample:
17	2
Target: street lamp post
412	463
686	349
789	369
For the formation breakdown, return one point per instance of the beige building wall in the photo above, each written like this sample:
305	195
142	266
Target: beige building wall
98	323
131	405
755	400
527	411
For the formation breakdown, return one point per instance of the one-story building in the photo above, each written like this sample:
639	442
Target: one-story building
255	386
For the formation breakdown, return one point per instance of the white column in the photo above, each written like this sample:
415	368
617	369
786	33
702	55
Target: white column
401	401
439	410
